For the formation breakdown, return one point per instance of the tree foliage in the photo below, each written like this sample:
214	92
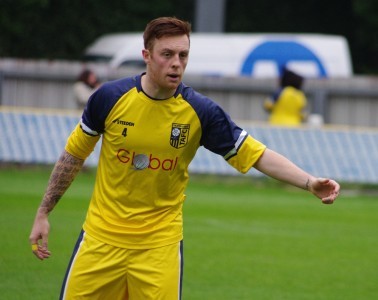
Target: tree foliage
62	29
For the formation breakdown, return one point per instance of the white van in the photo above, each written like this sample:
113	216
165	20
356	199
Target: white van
120	49
238	54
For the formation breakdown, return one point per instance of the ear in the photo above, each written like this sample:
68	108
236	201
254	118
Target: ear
146	55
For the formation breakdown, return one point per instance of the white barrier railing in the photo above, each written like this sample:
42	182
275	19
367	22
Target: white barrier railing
346	154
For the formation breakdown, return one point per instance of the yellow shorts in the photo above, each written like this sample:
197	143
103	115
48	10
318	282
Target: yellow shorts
101	271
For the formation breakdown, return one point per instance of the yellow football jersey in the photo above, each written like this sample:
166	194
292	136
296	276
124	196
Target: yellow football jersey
288	109
146	148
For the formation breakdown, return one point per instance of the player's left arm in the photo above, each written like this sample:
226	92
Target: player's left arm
279	167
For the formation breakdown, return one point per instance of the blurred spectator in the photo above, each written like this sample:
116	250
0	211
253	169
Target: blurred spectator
86	84
287	105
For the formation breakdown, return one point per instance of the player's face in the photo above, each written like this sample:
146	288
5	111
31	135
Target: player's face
166	62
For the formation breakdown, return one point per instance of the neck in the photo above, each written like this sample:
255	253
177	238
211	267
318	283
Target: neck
152	90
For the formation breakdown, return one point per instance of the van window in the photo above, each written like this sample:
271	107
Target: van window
97	58
133	63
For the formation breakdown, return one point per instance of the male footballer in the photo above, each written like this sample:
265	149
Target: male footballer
131	243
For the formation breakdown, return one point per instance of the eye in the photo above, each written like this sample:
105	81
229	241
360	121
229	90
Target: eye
184	55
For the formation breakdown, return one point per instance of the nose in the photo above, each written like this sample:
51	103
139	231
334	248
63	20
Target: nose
176	61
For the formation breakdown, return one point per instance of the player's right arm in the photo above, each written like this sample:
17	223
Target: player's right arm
64	172
79	146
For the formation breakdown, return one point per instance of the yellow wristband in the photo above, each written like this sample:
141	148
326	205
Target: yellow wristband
34	247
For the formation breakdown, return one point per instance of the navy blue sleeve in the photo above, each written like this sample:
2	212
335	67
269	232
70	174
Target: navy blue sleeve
219	132
103	100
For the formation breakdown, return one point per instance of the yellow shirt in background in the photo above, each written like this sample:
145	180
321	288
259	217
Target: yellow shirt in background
288	109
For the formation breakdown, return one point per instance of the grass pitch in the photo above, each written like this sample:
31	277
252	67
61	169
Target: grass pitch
244	239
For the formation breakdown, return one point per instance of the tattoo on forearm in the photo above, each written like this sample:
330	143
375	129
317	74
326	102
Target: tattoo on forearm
64	172
308	184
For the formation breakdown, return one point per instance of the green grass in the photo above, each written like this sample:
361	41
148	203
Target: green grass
244	239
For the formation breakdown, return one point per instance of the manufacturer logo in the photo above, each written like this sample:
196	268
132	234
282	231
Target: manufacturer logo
124	123
179	135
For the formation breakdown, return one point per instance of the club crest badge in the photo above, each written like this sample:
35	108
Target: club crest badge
179	135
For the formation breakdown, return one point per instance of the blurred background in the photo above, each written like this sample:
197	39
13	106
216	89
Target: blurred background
62	29
44	47
47	29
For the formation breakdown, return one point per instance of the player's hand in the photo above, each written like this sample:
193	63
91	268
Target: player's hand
325	189
40	251
39	237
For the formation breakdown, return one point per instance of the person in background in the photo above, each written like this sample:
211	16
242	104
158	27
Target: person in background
287	105
86	84
151	126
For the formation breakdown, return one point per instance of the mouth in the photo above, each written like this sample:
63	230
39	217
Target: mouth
173	76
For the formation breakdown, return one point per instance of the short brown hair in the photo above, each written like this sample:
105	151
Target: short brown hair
164	26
